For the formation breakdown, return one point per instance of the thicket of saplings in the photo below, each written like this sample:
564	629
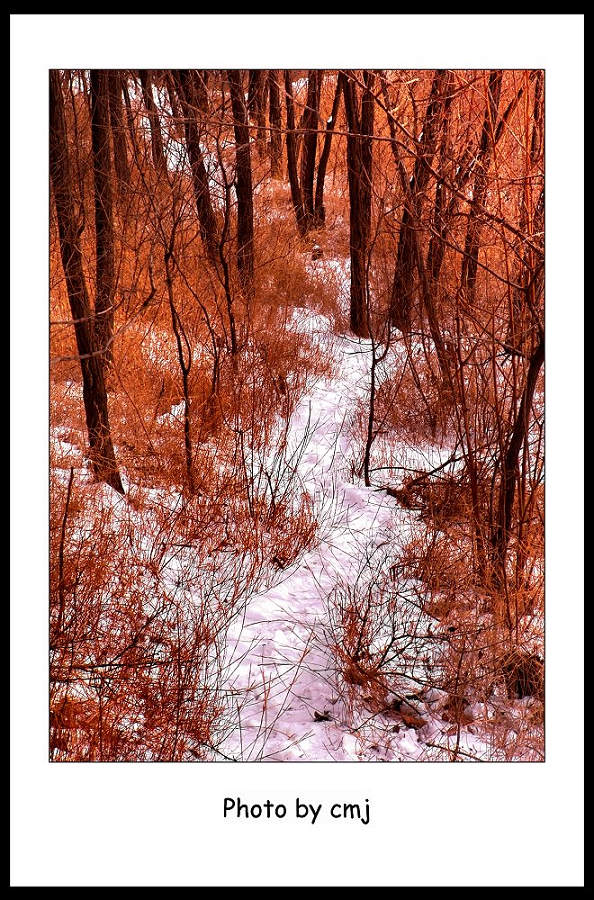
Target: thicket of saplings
192	213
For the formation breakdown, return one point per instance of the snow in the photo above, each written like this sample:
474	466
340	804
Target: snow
291	701
286	696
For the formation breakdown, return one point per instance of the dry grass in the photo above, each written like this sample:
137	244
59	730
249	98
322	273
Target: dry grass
143	587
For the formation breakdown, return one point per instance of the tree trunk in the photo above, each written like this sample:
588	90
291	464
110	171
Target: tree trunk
319	209
153	116
296	195
200	82
130	118
261	114
403	283
367	113
439	221
252	98
530	268
176	110
309	145
276	148
487	145
243	166
444	213
206	216
91	363
359	158
104	238
257	90
118	129
509	466
184	359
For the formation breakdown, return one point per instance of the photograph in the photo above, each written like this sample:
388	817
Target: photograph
296	410
296	415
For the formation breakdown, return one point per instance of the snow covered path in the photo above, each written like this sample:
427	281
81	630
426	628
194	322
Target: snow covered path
282	673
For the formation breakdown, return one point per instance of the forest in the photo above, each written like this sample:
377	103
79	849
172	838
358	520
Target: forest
296	448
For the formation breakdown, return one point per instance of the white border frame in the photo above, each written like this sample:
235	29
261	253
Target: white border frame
433	824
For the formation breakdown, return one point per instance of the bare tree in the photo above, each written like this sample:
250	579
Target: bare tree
146	80
518	433
403	284
129	114
310	125
104	238
92	360
118	129
319	209
360	115
275	119
481	168
256	103
291	140
529	274
243	167
206	215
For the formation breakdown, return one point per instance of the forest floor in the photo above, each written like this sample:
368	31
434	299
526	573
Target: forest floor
292	701
291	687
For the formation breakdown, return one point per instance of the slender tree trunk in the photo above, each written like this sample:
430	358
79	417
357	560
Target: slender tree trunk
155	125
184	357
91	363
178	127
444	209
487	145
261	114
130	118
276	147
404	283
252	92
319	209
359	158
530	270
427	288
367	115
257	91
309	145
296	195
370	418
509	465
118	130
104	237
245	208
200	83
226	278
424	271
206	216
439	223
